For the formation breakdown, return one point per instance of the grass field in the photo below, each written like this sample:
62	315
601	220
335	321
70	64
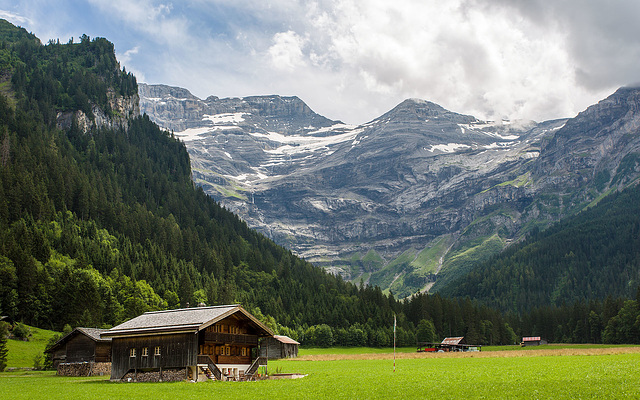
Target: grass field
549	373
21	353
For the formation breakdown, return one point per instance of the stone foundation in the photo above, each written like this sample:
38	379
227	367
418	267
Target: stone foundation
168	375
84	369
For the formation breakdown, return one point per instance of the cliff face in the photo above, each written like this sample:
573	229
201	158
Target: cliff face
122	109
417	194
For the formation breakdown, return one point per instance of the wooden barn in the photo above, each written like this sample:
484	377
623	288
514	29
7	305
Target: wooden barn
82	346
449	344
532	341
279	346
200	343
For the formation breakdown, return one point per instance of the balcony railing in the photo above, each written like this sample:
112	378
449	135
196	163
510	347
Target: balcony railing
230	338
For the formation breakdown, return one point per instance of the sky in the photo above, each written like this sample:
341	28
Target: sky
353	60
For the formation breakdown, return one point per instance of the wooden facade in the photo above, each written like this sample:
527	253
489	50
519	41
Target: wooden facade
221	341
277	347
81	345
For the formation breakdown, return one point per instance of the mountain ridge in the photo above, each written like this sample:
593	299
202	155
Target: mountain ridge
400	184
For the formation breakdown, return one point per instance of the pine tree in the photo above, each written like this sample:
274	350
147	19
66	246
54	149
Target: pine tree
4	333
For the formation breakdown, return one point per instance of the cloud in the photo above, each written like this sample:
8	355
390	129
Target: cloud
355	59
14	18
286	51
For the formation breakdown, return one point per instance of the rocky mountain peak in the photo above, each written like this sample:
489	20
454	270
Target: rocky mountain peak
424	111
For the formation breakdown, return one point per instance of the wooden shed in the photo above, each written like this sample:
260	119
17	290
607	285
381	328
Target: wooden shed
279	346
449	344
532	341
82	346
200	343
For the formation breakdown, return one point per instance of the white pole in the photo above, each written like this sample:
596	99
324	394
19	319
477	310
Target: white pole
394	342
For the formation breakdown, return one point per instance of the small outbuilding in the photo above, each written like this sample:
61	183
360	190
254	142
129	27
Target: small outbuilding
532	341
449	344
82	352
279	346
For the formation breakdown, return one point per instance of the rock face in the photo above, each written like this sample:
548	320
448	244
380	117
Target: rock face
417	194
122	109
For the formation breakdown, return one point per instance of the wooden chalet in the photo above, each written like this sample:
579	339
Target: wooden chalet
279	346
448	344
82	345
200	343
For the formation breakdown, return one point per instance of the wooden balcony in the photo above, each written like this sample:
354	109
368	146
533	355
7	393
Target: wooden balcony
230	339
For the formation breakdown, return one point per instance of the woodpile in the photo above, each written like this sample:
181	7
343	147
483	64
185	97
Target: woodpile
86	368
168	375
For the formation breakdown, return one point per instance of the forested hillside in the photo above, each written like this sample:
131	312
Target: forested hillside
590	256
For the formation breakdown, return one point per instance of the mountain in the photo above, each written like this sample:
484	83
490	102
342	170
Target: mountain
100	220
415	197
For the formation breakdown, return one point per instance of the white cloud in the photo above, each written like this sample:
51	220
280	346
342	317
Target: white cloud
16	19
286	51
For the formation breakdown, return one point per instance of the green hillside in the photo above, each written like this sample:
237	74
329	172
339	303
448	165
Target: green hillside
590	256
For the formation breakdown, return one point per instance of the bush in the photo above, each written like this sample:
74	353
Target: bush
38	362
21	331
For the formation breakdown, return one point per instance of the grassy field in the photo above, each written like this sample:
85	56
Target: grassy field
552	373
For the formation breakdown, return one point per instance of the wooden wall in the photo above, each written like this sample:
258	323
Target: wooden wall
277	349
80	348
176	351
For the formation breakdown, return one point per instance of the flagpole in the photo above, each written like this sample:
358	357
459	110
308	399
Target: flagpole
394	342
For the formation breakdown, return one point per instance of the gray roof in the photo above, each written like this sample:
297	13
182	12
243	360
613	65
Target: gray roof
285	339
92	333
181	320
95	334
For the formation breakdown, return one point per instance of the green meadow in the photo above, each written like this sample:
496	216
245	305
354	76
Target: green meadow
524	375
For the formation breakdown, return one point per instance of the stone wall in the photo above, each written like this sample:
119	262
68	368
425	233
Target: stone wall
168	375
84	369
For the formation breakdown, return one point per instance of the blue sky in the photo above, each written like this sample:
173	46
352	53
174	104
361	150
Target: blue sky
355	59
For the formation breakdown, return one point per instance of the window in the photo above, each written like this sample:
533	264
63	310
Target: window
145	351
244	351
156	352
228	350
132	352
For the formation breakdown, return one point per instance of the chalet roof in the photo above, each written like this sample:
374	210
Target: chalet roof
182	320
285	339
453	340
92	333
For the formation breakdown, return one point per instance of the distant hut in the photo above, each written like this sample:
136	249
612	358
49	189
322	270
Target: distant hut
279	346
532	341
82	352
449	344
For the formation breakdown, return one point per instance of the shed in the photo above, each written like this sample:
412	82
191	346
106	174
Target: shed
532	341
449	344
219	342
82	346
279	346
